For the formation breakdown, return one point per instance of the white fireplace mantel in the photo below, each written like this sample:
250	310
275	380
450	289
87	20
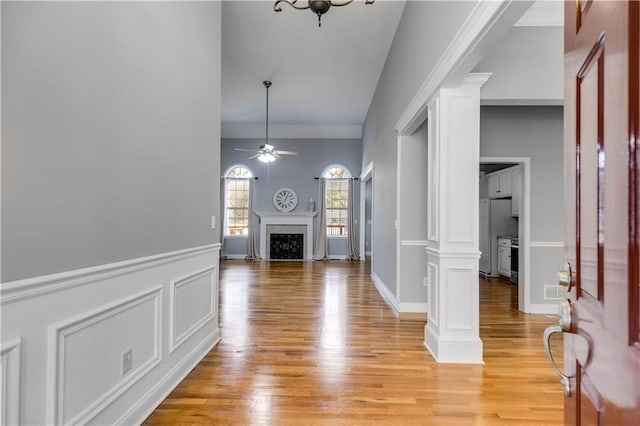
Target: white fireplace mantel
291	218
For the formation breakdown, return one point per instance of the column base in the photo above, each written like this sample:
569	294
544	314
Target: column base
457	350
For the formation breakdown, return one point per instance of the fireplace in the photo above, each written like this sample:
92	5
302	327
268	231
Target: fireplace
286	246
287	224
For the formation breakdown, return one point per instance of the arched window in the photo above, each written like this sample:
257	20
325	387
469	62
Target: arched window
236	200
336	200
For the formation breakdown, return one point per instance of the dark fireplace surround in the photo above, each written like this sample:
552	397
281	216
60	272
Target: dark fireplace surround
286	246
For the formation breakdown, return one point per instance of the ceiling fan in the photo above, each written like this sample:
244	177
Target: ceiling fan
267	153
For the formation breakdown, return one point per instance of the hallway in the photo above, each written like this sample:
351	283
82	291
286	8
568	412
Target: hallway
314	343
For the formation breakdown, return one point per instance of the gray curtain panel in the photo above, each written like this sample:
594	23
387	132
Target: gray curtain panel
253	252
352	252
223	207
320	252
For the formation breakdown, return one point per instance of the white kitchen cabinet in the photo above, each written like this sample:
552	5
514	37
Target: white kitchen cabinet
504	257
516	190
500	184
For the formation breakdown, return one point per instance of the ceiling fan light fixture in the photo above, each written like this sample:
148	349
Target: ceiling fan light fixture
319	7
267	157
267	152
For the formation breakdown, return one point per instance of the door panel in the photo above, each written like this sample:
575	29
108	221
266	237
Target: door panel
602	354
590	173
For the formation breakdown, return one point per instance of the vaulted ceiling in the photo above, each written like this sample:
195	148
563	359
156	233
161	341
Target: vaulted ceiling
323	75
328	75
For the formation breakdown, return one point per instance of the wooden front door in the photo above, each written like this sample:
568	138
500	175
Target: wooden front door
601	316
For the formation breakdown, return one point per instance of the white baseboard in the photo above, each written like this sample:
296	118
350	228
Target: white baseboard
542	308
384	291
452	350
234	256
337	257
156	395
417	308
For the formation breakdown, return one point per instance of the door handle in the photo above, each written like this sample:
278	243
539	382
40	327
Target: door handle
565	325
565	277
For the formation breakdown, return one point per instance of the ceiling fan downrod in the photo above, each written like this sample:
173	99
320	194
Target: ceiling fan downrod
267	84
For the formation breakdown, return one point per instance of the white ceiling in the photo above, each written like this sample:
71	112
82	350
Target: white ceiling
324	78
321	75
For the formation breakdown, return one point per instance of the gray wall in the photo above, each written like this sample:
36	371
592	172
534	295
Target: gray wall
295	172
536	132
515	66
425	30
368	215
413	217
110	132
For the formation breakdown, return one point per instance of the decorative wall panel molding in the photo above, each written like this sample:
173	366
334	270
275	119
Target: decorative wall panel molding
449	254
417	243
80	335
546	244
459	304
91	318
193	303
432	291
14	291
10	381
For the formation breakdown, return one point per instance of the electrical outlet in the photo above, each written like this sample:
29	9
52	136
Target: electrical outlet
127	361
425	281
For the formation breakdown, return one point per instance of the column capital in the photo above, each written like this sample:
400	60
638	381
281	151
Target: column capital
476	79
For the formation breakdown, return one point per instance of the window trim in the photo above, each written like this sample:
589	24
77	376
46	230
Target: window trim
342	179
225	227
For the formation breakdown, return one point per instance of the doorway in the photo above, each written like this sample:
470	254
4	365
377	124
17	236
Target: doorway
505	188
366	213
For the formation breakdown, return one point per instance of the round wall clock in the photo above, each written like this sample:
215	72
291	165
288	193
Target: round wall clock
285	199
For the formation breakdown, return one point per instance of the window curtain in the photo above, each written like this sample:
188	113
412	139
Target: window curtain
352	252
320	252
223	204
253	252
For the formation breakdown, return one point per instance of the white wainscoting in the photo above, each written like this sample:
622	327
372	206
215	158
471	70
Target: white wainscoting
72	328
192	305
10	380
78	391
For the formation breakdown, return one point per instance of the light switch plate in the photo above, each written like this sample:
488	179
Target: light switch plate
213	222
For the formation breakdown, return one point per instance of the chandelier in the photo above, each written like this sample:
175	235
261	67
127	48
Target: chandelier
319	7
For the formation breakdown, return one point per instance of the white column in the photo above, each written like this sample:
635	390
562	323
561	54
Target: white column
452	331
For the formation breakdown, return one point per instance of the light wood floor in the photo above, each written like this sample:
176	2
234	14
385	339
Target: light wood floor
314	343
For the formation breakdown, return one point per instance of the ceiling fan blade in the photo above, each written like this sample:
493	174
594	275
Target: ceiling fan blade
247	150
254	156
286	152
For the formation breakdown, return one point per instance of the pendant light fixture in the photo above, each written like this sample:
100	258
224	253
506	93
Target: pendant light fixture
319	7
